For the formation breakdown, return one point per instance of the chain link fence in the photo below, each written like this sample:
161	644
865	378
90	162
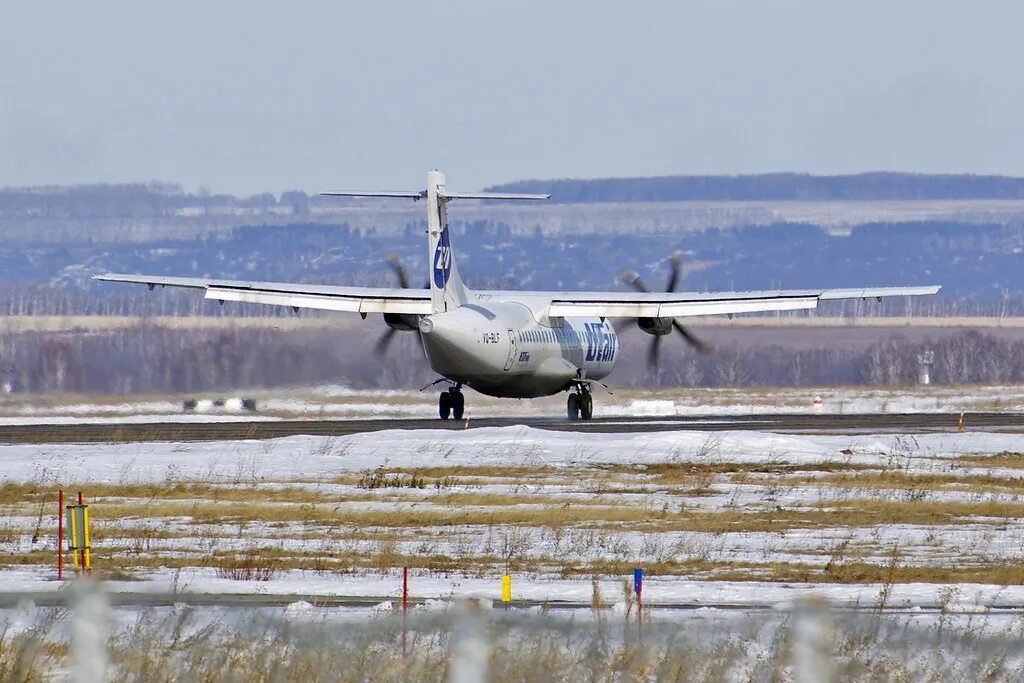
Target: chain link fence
181	637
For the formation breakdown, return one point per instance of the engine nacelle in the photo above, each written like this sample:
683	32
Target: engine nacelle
659	327
403	322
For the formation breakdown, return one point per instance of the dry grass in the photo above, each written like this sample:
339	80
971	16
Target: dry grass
907	481
160	645
254	564
1008	459
685	472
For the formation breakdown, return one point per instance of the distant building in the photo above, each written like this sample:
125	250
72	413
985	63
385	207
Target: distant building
925	361
7	382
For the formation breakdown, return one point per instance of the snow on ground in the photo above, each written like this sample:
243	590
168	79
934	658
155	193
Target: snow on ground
277	463
666	591
311	457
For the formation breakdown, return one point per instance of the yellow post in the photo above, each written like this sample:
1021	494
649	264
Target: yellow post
73	528
506	588
85	523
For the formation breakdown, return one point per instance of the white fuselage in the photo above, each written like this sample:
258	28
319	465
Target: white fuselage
512	349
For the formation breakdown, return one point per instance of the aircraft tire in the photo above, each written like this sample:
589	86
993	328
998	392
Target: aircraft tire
444	405
572	407
586	406
458	405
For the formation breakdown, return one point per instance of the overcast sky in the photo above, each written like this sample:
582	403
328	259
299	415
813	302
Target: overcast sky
266	96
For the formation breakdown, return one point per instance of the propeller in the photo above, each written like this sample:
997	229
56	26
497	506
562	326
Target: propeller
632	279
384	341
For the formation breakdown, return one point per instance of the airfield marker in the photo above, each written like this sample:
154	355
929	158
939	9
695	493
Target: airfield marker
405	606
78	533
405	588
86	560
506	588
60	535
85	532
638	589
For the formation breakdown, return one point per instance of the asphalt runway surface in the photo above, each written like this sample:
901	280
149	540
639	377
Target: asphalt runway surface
909	423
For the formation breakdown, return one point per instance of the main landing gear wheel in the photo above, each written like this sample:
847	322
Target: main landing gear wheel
580	404
451	403
586	406
572	407
458	405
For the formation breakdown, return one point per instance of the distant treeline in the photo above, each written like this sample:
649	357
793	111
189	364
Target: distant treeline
141	200
775	186
148	359
968	357
973	262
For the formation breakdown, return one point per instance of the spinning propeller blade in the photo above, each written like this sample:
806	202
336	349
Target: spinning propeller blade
632	279
384	341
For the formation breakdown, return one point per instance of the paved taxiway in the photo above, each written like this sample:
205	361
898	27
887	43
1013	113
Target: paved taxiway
786	423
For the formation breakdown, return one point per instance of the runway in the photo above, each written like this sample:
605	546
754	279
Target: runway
908	423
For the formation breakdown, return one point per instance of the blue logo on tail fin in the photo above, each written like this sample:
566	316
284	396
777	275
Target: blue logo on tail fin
442	259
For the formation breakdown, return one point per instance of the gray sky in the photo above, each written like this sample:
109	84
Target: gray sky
252	96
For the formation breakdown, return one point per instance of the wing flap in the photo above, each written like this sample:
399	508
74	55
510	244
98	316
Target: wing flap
678	309
689	304
322	297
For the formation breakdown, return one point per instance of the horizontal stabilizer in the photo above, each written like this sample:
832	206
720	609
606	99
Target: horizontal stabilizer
494	195
447	195
400	194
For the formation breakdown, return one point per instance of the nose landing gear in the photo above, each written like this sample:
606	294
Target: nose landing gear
451	403
580	405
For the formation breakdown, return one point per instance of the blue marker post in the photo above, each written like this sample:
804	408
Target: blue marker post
638	588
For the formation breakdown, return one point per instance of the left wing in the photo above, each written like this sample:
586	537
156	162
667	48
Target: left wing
687	304
324	297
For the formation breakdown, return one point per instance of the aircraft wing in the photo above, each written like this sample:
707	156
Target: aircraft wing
324	297
596	304
687	304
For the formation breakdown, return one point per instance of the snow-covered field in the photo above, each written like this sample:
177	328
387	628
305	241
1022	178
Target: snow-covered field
752	510
922	528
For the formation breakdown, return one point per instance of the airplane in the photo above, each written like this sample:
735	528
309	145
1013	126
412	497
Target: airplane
510	344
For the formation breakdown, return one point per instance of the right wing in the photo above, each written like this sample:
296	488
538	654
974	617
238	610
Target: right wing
323	297
687	304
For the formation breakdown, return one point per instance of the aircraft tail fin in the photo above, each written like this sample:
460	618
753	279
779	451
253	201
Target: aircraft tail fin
447	290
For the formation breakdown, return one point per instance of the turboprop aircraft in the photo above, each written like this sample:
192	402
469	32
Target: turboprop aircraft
510	344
